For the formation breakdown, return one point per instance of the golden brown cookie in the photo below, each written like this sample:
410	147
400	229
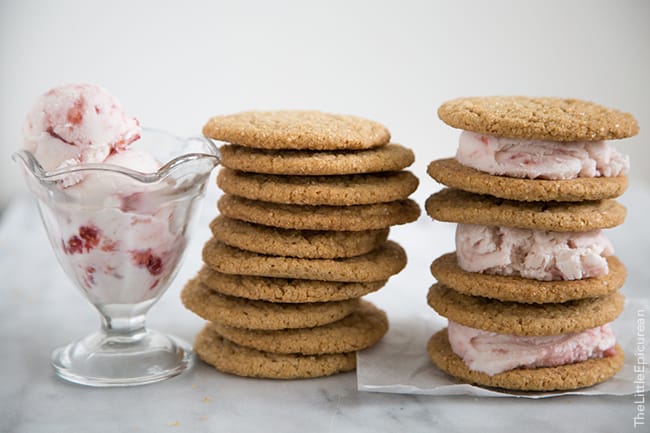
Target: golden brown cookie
524	319
517	289
360	330
379	264
309	244
345	218
454	205
392	157
450	172
564	377
551	119
313	130
244	313
285	290
342	190
229	357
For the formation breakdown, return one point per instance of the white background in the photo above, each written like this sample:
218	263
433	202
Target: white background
174	64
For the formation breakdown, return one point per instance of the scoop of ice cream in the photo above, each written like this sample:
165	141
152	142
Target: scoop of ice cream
535	159
535	254
120	238
107	189
135	159
76	124
493	353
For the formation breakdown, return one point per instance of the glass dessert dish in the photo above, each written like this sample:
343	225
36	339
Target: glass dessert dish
120	235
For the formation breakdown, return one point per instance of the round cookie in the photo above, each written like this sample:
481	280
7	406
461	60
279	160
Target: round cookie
524	319
344	218
551	119
450	172
307	244
341	190
564	377
523	290
391	157
284	290
244	313
229	357
454	205
360	330
379	264
313	130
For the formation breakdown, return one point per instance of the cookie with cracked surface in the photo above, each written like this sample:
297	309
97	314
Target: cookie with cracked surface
284	289
391	157
538	118
231	358
309	244
524	319
358	331
293	129
305	217
454	205
245	313
380	264
451	173
564	377
340	190
523	290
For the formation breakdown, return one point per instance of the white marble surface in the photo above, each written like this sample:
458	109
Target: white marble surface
40	310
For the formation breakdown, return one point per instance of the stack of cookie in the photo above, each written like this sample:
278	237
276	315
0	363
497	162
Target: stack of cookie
533	284
302	236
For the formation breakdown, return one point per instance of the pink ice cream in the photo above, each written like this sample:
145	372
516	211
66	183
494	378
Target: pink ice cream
121	257
535	159
111	189
119	238
493	353
535	254
76	124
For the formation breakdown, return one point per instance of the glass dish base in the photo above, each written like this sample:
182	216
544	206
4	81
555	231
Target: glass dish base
101	360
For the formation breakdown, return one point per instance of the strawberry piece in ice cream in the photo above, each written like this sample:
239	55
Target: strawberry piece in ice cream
536	254
534	159
121	257
77	124
493	353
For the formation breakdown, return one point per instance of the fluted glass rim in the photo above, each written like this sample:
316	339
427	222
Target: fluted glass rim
45	176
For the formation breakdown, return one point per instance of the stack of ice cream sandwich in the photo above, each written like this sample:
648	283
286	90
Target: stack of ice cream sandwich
532	288
301	237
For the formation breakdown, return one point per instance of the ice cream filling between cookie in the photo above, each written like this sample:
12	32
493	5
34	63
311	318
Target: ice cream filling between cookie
535	254
535	159
493	353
